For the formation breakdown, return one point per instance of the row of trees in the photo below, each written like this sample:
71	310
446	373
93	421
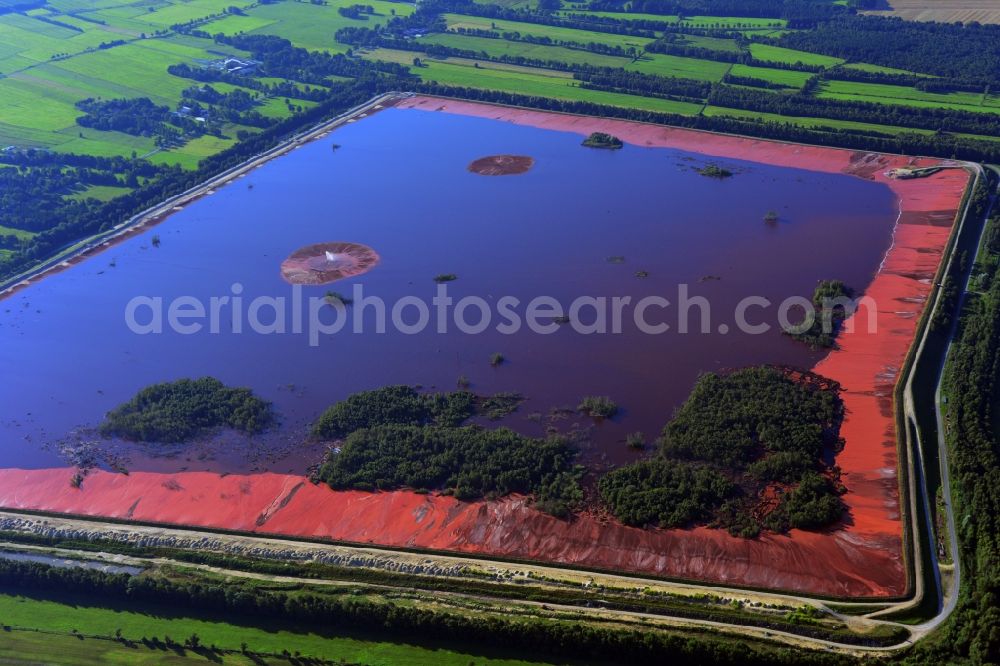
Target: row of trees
307	611
930	118
637	83
801	13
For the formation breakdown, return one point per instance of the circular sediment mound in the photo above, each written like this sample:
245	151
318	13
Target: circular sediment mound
323	263
502	165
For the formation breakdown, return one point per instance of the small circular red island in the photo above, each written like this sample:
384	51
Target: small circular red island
502	165
323	263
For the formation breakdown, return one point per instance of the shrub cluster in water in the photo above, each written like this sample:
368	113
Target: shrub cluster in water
715	171
397	405
828	317
602	140
734	437
395	437
179	411
598	406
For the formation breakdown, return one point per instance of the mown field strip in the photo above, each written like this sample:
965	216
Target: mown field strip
909	96
456	21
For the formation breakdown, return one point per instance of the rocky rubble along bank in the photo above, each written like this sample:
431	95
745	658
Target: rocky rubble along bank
227	545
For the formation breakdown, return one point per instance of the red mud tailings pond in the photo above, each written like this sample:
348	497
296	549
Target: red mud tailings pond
861	558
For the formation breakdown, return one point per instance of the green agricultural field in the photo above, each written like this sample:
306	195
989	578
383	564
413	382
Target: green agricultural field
25	41
878	69
74	6
908	96
307	25
189	10
455	21
234	24
276	107
784	77
194	150
80	616
127	20
37	107
541	83
20	233
137	69
768	53
57	77
501	47
20	646
15	135
14	63
688	68
142	66
102	144
711	43
101	192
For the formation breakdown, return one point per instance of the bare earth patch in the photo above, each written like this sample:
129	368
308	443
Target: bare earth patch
944	11
323	263
502	165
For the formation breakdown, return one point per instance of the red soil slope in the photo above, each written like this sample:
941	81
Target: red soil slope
862	557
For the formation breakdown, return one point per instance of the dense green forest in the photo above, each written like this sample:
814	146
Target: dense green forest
395	437
181	410
962	52
971	388
469	462
139	117
744	452
41	182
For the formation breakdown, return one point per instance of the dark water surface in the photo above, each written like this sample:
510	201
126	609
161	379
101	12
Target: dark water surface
399	184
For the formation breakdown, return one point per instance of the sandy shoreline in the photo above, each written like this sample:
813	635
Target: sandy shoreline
862	558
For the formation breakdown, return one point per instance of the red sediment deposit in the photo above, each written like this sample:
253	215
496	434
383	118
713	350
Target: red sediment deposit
502	165
862	557
323	263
